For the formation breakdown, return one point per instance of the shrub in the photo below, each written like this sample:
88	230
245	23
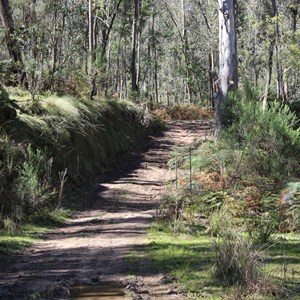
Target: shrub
213	201
238	263
33	185
265	143
262	227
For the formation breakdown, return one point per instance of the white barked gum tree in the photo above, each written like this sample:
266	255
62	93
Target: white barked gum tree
228	76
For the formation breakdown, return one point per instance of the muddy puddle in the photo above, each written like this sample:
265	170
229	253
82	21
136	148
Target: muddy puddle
105	291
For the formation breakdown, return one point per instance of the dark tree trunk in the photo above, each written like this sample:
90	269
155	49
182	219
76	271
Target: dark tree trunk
13	46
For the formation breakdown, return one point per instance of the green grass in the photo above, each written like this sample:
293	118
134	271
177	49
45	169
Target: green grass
189	258
12	244
283	261
186	257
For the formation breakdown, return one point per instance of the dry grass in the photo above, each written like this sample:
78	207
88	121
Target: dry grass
183	112
211	181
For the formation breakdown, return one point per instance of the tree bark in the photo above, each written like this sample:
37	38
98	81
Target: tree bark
12	44
134	84
154	55
185	46
212	78
91	55
279	71
228	76
269	75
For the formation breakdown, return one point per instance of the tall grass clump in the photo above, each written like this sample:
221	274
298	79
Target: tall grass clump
239	264
236	261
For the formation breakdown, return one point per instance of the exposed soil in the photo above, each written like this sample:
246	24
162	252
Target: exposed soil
101	242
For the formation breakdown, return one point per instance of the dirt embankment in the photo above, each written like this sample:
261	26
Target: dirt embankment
96	244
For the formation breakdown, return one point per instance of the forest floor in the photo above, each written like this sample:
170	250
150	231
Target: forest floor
105	242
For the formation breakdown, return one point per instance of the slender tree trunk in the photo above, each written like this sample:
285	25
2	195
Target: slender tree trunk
294	8
187	83
274	44
12	44
134	84
228	77
91	52
154	55
55	47
279	71
212	78
269	75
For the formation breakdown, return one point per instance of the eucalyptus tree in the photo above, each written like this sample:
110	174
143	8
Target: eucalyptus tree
228	76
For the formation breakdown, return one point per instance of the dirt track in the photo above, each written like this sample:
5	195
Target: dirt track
95	245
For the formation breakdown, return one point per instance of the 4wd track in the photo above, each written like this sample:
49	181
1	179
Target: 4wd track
95	245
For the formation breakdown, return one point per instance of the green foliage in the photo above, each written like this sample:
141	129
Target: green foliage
264	143
192	260
34	188
262	228
213	201
263	224
219	221
206	157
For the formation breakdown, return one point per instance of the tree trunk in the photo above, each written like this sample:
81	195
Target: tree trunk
279	71
274	44
154	55
269	75
134	84
212	78
187	83
228	77
91	56
13	46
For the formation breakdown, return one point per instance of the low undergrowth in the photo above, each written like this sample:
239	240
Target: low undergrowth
217	268
231	218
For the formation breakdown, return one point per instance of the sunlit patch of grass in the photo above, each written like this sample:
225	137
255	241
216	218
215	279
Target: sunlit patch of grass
34	122
12	244
63	106
283	262
188	258
51	218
